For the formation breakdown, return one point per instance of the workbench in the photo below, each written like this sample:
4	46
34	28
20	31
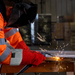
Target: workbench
66	63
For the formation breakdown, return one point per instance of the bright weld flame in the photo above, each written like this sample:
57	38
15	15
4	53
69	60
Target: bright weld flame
57	58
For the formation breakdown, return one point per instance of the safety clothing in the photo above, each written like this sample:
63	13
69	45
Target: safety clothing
16	57
29	56
24	55
32	57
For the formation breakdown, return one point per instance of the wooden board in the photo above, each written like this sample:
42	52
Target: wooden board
44	67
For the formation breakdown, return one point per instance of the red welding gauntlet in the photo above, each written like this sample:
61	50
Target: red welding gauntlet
29	56
22	45
32	57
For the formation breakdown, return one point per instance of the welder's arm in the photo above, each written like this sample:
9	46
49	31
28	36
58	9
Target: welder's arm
28	56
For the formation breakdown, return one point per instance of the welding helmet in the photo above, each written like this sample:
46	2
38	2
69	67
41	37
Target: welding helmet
22	14
3	9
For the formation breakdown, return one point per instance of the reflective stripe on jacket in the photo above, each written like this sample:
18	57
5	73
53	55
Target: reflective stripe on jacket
13	36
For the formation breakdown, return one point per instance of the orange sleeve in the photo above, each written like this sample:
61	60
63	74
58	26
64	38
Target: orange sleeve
13	36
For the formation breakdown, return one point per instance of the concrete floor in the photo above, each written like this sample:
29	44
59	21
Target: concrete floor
52	46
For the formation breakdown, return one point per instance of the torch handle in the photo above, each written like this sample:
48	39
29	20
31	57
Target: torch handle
24	69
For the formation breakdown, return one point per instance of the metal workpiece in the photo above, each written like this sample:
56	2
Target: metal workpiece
63	56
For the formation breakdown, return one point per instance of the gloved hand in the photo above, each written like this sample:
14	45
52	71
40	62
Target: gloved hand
32	57
22	45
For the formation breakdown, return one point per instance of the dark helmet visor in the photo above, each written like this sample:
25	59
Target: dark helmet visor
22	14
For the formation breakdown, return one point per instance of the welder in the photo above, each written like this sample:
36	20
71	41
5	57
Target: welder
15	40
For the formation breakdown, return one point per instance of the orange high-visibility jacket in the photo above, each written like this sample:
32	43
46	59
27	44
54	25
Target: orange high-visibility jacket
12	36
